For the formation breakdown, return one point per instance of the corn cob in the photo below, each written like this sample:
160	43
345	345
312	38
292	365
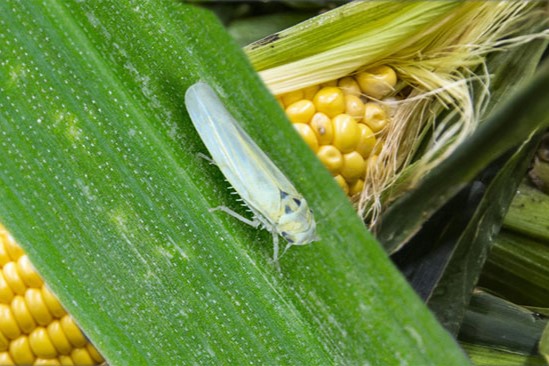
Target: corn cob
344	121
34	327
440	59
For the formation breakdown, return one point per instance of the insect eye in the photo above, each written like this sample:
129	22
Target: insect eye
286	236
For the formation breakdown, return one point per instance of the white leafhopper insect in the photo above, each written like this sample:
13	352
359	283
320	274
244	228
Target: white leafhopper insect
272	198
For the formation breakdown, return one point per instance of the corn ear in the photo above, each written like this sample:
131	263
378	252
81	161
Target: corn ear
34	327
437	48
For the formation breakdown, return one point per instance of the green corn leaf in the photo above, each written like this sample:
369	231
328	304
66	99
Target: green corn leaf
251	29
497	332
544	344
493	322
528	213
487	356
101	184
472	246
518	268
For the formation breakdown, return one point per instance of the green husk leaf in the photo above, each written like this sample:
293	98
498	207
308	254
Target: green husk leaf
251	29
497	332
101	184
493	322
453	291
544	344
338	42
512	123
528	213
486	356
473	242
518	268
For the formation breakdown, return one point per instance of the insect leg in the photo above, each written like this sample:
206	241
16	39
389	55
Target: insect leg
286	249
207	158
275	250
254	223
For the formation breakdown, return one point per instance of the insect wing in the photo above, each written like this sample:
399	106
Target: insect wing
251	173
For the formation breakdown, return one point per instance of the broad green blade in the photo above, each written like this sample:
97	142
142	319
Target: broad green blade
101	183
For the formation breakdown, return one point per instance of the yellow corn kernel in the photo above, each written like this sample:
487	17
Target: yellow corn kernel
47	362
329	83
330	100
321	125
21	352
372	161
377	147
377	82
66	360
342	183
349	86
13	279
310	91
4	343
73	333
8	324
37	306
22	314
5	359
367	140
291	97
375	116
331	158
94	353
28	273
58	337
14	250
301	111
346	133
4	256
354	166
80	356
52	303
307	134
356	187
6	293
41	343
354	107
28	331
